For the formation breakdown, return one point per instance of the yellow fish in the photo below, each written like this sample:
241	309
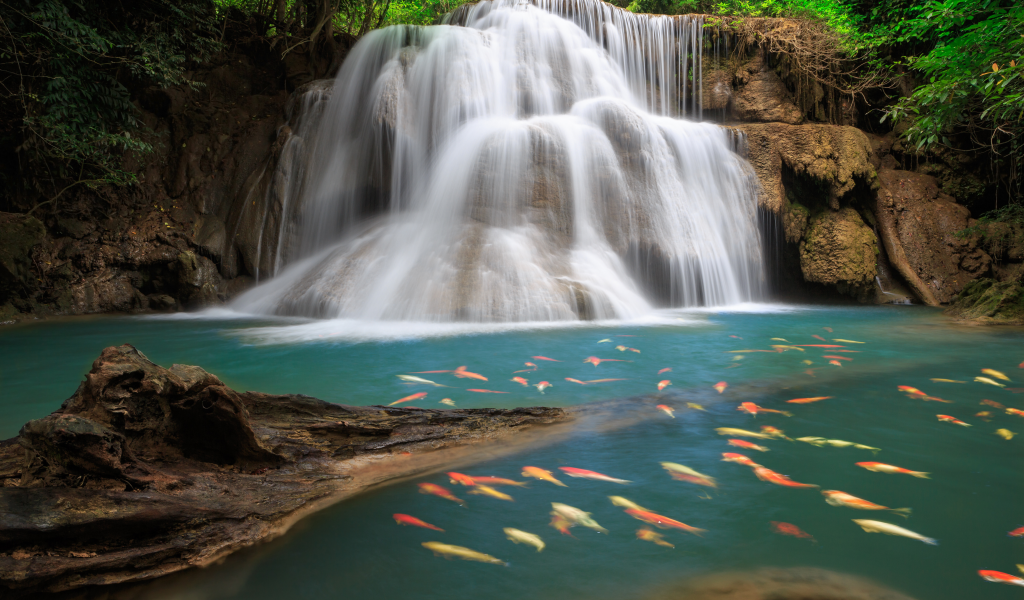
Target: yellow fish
625	503
649	535
486	490
995	374
448	401
1006	434
518	536
782	348
541	474
849	342
780	340
988	381
448	551
695	406
808	362
948	380
742	433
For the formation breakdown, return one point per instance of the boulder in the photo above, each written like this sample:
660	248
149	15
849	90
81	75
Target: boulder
763	97
198	280
840	250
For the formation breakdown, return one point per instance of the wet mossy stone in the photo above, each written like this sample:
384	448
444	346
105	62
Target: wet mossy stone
990	301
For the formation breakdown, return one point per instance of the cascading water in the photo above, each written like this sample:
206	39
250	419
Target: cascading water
527	164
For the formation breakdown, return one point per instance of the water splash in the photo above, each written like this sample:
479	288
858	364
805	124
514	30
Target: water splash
528	164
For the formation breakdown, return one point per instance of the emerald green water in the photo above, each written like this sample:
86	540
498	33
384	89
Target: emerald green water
354	549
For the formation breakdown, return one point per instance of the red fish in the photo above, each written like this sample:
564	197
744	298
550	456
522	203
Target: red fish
440	492
668	410
1019	532
751	408
661	521
774	432
602	380
410	520
949	419
485	391
585	474
791	529
520	381
910	390
561	524
720	386
576	381
664	383
747	445
992	403
1000	577
415	396
835	362
765	474
1015	411
544	358
596	361
816	336
807	400
460	478
739	459
665	370
462	373
837	357
542	386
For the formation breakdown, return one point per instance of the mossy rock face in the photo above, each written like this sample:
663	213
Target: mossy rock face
838	249
990	301
18	235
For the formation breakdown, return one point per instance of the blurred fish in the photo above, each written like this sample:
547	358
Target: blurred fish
460	478
849	342
604	340
828	329
668	410
947	380
409	398
816	441
983	414
753	409
541	474
738	357
808	362
620	348
1019	532
544	358
602	380
720	386
738	459
665	370
520	381
414	379
819	345
542	386
585	474
910	390
633	350
518	536
933	399
649	535
448	401
462	373
410	520
837	498
498	481
1006	434
837	357
992	403
781	348
664	383
597	361
736	336
835	362
661	521
996	374
529	364
561	524
480	391
1015	411
440	492
816	336
625	503
807	400
988	381
486	490
684	473
765	474
780	340
890	529
576	381
884	468
791	529
949	419
695	406
741	433
1000	577
747	445
577	516
449	551
774	432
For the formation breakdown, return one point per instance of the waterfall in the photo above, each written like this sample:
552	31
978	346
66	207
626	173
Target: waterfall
522	162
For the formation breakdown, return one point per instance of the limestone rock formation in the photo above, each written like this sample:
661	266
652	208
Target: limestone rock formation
991	302
839	249
762	97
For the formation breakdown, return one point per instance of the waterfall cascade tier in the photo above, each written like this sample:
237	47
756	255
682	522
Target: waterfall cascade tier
530	163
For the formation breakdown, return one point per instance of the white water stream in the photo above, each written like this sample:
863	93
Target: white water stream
529	164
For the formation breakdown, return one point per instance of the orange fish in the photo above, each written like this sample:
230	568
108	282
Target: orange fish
661	521
949	419
1015	411
576	381
460	478
520	381
440	492
910	390
561	524
807	400
484	391
992	403
585	474
791	529
818	346
529	364
935	399
665	370
541	474
748	445
816	336
668	410
837	357
664	383
775	432
462	373
720	386
751	408
1019	532
416	396
596	361
765	474
498	481
544	358
542	386
835	362
602	380
738	459
649	535
983	414
884	468
736	336
1000	577
410	520
837	498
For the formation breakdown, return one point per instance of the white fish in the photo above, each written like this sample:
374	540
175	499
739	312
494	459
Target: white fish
988	381
625	503
448	401
890	529
575	515
414	379
518	536
604	340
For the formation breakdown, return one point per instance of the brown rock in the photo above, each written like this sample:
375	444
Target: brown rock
763	97
839	249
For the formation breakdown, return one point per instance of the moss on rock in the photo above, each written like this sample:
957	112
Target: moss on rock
839	249
990	301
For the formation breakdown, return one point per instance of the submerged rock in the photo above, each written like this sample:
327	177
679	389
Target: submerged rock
800	583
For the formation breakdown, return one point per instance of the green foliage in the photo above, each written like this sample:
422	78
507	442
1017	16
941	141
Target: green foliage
1011	214
420	12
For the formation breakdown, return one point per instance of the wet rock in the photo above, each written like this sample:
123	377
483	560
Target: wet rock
19	234
990	302
198	280
839	249
800	583
763	97
794	221
107	291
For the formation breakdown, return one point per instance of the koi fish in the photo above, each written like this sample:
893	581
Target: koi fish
816	336
988	381
684	473
890	529
835	362
947	380
649	535
996	374
949	419
604	340
561	524
410	520
517	536
585	474
1000	577
620	348
1015	411
774	432
753	409
807	400
828	329
462	373
661	521
765	474
577	516
440	492
807	362
668	410
781	348
837	357
695	406
664	383
498	481
416	396
906	389
449	551
846	444
542	386
486	490
414	379
448	401
625	503
602	380
529	364
815	441
736	337
480	391
837	498
720	386
544	358
884	468
541	474
747	445
596	361
741	433
849	342
633	350
935	399
1006	434
819	346
665	370
992	403
460	478
1019	532
520	381
983	414
780	340
576	381
783	528
739	459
